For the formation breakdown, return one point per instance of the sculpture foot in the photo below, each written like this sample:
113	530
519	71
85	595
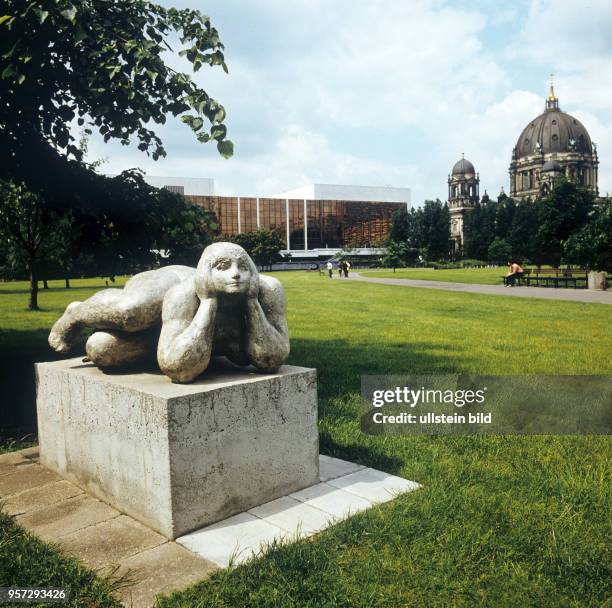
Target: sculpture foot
64	331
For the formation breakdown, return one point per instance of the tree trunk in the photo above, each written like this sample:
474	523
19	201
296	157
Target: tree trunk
67	281
45	284
33	304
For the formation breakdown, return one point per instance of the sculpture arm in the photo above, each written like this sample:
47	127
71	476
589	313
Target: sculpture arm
267	339
185	343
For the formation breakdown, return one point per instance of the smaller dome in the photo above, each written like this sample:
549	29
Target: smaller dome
463	167
551	165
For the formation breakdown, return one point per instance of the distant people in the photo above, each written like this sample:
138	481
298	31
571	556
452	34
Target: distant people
347	267
340	268
515	271
330	269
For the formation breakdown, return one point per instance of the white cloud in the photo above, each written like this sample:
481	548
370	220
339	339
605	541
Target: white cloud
299	157
386	91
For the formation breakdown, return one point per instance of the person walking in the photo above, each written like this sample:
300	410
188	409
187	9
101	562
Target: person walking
347	267
340	268
330	269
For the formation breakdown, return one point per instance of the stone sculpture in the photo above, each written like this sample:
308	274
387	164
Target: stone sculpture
224	307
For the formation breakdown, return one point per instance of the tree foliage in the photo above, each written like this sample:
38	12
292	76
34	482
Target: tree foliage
263	245
434	229
499	251
27	231
591	246
102	65
562	212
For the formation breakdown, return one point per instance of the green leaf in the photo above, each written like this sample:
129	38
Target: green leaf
197	124
226	148
218	132
9	70
69	13
42	15
4	18
220	114
20	78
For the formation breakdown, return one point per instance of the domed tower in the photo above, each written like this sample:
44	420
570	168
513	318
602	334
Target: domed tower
463	194
551	145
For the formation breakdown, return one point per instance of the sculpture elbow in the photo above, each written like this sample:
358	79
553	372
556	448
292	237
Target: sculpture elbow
270	359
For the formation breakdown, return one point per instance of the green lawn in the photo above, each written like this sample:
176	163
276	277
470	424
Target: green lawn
501	521
484	276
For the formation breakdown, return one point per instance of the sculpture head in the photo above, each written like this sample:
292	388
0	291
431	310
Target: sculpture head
225	269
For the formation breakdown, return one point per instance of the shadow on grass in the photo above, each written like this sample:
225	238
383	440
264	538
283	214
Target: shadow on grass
339	363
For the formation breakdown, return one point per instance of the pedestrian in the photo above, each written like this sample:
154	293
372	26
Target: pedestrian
330	268
347	267
340	268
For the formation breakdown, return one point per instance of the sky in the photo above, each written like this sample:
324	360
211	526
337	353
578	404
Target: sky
386	92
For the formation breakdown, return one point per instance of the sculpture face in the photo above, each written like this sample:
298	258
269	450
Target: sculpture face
230	275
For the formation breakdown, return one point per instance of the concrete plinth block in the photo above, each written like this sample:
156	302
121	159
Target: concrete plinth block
179	456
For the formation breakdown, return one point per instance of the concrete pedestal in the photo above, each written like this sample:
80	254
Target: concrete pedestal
179	456
597	280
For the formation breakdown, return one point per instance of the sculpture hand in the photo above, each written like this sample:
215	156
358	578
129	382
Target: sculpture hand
253	291
203	287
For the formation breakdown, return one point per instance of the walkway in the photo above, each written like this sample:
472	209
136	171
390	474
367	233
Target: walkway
545	293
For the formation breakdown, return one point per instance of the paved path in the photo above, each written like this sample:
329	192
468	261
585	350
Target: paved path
545	293
102	537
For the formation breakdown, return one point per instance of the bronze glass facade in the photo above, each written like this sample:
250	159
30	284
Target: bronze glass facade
328	224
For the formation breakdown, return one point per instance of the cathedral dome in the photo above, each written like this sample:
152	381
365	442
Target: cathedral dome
463	167
553	131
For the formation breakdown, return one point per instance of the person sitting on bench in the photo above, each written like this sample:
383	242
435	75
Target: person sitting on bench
515	271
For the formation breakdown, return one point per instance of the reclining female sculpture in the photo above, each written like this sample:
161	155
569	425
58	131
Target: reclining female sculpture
222	307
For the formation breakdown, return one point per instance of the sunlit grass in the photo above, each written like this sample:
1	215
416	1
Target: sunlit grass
501	521
483	276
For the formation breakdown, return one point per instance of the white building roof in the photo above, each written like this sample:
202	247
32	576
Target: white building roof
383	194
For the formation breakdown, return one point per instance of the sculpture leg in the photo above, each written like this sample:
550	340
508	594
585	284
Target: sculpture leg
113	309
116	349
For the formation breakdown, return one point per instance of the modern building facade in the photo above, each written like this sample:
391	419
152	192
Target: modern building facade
551	145
315	221
463	194
309	228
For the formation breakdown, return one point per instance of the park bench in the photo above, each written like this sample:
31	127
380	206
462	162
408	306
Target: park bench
555	277
524	280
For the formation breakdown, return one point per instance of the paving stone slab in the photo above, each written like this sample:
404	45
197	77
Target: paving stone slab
110	541
40	497
336	502
374	485
32	453
9	461
25	477
236	538
331	468
63	518
161	570
297	518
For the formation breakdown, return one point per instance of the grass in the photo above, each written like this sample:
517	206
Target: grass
45	566
501	521
483	276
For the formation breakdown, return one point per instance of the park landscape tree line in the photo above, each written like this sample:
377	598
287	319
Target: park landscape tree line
97	65
568	226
